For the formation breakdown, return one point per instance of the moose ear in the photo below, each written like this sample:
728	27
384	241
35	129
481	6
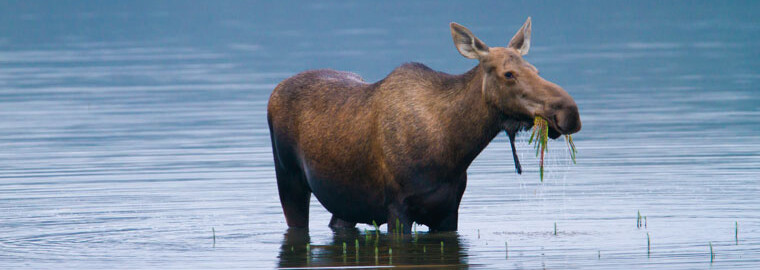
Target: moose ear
467	44
521	40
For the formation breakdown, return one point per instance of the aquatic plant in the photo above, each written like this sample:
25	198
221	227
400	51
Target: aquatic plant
541	134
648	245
506	250
356	249
712	255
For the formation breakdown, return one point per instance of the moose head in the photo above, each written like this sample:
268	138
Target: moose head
515	87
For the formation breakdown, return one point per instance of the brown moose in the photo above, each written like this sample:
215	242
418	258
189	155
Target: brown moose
397	151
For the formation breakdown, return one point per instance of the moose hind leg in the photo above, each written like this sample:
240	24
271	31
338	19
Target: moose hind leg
338	224
295	194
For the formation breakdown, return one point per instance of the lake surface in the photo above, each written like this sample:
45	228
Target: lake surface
133	134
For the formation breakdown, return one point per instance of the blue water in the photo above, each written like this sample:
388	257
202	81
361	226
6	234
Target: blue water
129	130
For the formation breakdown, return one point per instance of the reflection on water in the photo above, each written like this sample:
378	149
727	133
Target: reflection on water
128	130
371	248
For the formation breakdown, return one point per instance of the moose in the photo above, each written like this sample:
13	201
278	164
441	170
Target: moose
397	151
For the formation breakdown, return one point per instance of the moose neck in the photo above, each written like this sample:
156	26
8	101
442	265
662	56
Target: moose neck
472	122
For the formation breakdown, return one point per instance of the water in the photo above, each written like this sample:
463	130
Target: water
130	130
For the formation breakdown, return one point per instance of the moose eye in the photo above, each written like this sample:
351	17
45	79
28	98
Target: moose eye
509	75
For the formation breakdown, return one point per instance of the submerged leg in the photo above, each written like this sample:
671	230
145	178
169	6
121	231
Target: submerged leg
450	221
398	220
295	196
295	193
338	224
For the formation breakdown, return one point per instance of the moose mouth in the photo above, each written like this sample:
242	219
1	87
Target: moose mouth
554	131
515	126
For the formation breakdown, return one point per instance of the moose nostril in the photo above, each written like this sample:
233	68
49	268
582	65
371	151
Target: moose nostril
568	120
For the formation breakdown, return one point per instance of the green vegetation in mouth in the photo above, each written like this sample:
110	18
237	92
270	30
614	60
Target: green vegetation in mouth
571	146
541	135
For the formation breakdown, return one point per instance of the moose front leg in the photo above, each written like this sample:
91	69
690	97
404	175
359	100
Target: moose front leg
448	223
450	220
398	220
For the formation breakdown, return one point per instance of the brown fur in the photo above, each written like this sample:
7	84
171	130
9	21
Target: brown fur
400	148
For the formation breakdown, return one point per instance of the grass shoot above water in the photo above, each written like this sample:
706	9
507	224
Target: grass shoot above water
541	135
